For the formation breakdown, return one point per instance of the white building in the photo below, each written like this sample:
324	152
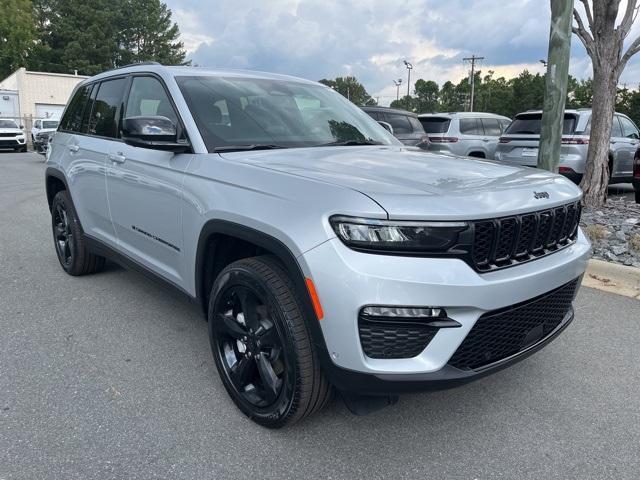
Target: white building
29	95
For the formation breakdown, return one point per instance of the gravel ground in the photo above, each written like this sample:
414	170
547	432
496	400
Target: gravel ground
110	377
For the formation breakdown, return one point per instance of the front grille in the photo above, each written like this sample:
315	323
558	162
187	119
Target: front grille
8	143
502	333
394	339
507	241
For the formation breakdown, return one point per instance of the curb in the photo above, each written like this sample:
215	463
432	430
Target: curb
613	278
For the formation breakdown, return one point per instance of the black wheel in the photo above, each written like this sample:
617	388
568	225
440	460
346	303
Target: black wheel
638	195
261	345
69	242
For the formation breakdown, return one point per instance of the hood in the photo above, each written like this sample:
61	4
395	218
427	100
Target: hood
17	131
414	184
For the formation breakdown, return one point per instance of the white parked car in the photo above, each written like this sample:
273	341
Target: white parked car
43	125
12	136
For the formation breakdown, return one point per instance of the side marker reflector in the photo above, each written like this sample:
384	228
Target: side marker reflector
314	298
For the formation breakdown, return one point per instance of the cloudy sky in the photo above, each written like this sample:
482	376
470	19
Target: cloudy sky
370	38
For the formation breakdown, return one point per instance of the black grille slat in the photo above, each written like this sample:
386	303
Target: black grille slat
387	340
503	333
507	241
8	134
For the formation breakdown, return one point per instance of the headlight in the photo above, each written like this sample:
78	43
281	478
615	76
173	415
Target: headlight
398	236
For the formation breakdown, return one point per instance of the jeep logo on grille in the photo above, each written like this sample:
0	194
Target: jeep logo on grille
540	195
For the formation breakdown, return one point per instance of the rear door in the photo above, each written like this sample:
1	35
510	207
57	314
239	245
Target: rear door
403	129
472	136
625	148
492	131
145	187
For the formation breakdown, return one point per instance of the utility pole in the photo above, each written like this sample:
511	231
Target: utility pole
397	83
473	59
555	95
409	68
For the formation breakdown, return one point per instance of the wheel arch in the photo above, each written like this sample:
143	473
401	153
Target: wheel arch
55	181
265	244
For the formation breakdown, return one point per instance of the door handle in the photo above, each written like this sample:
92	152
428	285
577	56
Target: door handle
117	157
74	148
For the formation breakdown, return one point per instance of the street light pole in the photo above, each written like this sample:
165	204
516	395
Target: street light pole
409	68
397	83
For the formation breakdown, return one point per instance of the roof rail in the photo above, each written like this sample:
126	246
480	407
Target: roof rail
137	64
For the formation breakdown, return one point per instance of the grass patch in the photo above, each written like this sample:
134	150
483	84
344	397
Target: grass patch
595	232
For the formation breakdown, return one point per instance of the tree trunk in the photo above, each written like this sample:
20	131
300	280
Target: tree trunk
596	176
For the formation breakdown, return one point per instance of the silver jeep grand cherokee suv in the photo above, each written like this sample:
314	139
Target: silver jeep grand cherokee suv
324	254
519	144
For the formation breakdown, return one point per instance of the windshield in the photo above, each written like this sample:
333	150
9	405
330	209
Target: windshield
530	124
8	124
435	124
231	111
50	124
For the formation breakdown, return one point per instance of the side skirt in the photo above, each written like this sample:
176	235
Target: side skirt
100	248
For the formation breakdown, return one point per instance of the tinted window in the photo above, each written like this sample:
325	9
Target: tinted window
72	119
530	124
36	124
505	124
435	125
235	111
616	129
629	130
415	123
50	124
399	122
88	109
491	127
103	121
374	115
148	98
471	126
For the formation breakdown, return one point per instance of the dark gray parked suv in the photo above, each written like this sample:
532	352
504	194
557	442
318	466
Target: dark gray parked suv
405	125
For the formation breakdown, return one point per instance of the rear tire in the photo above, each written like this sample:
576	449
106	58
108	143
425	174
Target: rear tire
71	248
261	345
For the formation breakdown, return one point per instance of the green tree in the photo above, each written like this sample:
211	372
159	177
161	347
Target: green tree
91	36
350	88
17	35
427	93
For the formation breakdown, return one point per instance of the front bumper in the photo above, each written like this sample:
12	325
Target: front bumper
347	280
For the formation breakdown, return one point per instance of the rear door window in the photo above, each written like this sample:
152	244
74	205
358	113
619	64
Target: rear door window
616	129
471	126
103	120
435	124
531	123
72	119
491	127
399	122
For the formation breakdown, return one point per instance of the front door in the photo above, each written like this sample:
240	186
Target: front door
144	187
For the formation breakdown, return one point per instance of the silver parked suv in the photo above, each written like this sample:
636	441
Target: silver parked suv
325	254
472	134
519	145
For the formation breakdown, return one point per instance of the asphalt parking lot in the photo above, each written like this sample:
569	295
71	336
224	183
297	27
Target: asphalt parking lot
111	377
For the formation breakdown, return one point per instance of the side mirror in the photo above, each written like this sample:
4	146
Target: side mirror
387	126
158	133
21	127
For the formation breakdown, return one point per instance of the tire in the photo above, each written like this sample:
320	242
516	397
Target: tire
638	195
72	252
270	346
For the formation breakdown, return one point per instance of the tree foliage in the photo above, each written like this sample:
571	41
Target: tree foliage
91	36
16	35
350	88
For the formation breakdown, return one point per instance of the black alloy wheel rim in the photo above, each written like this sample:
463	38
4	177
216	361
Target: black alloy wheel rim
249	346
63	235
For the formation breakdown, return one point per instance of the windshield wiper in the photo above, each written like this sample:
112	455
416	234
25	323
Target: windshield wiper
242	148
349	143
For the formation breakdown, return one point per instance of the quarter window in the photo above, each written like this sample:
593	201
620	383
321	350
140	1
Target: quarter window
72	119
400	123
103	120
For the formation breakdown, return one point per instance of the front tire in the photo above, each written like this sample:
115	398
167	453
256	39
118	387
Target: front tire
70	246
261	345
